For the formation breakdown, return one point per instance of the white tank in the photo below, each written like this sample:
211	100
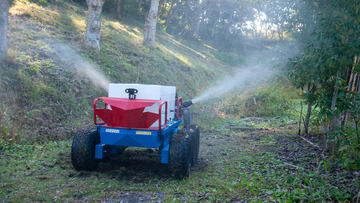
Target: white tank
152	92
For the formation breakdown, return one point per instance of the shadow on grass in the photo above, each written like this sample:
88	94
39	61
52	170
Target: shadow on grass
136	165
70	30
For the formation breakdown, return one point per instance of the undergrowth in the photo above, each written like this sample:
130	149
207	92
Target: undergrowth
233	166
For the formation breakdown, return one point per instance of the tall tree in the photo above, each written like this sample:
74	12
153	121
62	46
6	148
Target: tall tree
118	9
198	18
140	5
170	15
331	42
150	24
93	25
4	11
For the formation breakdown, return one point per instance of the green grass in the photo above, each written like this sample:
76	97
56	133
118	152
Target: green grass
45	100
170	62
233	167
44	103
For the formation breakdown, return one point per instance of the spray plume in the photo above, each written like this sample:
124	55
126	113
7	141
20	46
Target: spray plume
241	79
259	66
72	60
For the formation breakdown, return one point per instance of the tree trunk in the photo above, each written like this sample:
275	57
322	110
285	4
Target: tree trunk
356	115
93	25
301	112
213	29
308	113
150	24
118	9
198	19
266	29
356	120
307	118
162	8
170	15
4	11
140	5
280	33
352	86
334	119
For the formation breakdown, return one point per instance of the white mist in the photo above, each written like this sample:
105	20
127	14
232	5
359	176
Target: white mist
241	79
72	60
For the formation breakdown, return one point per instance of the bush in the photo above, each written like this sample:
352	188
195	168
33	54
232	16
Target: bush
265	102
347	146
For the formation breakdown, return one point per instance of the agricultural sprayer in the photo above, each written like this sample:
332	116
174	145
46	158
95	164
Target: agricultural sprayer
136	115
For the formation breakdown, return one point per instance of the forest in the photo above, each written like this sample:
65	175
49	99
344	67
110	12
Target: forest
275	87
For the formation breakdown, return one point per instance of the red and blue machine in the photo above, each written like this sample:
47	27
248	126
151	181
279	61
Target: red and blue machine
131	122
127	125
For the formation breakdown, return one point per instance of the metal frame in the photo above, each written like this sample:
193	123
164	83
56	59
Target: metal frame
111	138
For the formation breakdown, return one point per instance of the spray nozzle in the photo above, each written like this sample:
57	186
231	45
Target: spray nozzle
187	104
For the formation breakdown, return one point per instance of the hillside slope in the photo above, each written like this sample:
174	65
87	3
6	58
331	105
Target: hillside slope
43	98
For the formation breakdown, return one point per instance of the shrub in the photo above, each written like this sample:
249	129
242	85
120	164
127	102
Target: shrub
264	102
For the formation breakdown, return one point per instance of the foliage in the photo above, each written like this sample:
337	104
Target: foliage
332	44
219	23
269	100
348	146
222	24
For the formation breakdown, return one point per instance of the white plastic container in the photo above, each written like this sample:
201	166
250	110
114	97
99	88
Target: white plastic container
152	92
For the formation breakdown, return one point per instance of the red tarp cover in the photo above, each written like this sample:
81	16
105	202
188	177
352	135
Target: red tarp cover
127	113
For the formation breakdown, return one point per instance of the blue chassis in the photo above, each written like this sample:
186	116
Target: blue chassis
111	138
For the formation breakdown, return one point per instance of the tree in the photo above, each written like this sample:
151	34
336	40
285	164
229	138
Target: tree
329	64
93	25
150	24
305	75
4	11
197	21
118	9
170	15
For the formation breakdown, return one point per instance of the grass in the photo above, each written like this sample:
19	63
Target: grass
233	166
45	100
43	103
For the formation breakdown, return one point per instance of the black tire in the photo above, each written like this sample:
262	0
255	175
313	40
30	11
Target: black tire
121	149
83	150
195	143
179	155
